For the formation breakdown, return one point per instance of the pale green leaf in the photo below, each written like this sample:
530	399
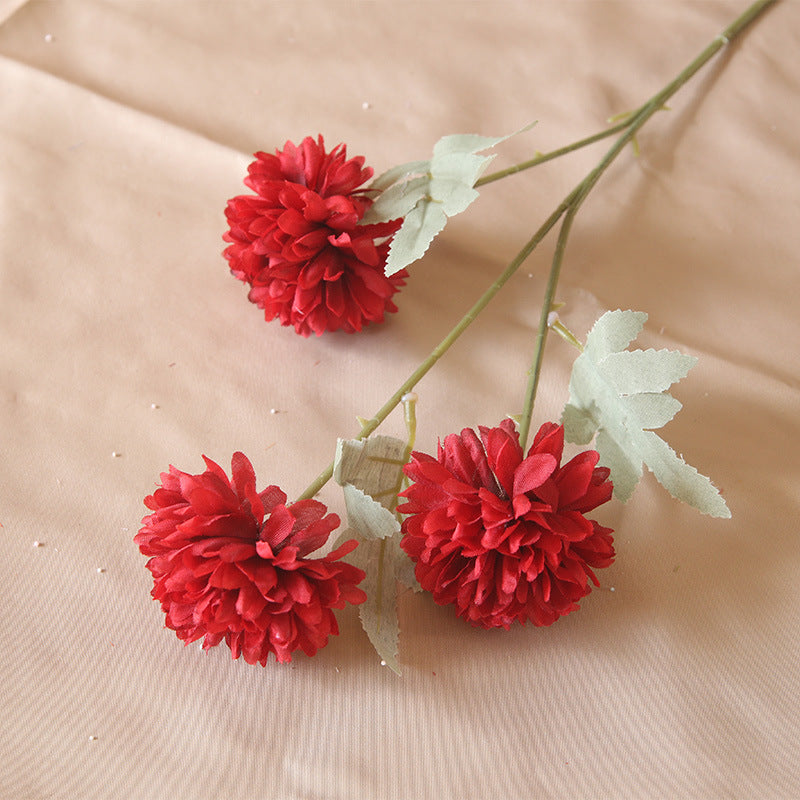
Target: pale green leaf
367	516
404	569
461	168
471	142
378	613
613	332
370	473
621	396
453	195
681	480
579	424
419	228
397	200
401	171
465	143
426	193
622	459
649	410
631	372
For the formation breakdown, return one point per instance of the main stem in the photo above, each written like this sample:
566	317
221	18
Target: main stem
567	208
579	194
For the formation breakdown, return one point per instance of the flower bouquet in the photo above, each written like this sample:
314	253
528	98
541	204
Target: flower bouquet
497	523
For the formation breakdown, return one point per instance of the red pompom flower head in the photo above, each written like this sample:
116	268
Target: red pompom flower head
231	563
298	243
501	535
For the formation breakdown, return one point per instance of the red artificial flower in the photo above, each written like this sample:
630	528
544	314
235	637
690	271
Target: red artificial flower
297	242
501	535
230	563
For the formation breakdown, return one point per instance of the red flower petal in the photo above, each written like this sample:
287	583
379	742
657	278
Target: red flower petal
550	439
503	455
533	472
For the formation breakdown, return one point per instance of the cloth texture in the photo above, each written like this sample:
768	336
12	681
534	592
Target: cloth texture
127	346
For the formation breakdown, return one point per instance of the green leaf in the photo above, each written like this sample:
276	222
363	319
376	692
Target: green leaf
367	516
681	480
471	142
426	193
621	396
454	196
378	614
370	473
419	229
619	454
630	373
579	424
401	171
398	200
455	172
650	410
614	331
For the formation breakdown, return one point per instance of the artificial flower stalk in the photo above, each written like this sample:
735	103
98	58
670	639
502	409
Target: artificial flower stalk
632	126
541	158
628	118
568	208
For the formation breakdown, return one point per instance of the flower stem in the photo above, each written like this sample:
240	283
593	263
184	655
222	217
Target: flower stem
542	157
567	208
579	194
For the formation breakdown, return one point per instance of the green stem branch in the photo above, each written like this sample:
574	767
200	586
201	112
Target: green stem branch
567	208
579	194
561	151
369	426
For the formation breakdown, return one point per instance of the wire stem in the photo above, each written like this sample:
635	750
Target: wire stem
579	194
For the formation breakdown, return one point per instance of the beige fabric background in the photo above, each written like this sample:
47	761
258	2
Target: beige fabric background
125	127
